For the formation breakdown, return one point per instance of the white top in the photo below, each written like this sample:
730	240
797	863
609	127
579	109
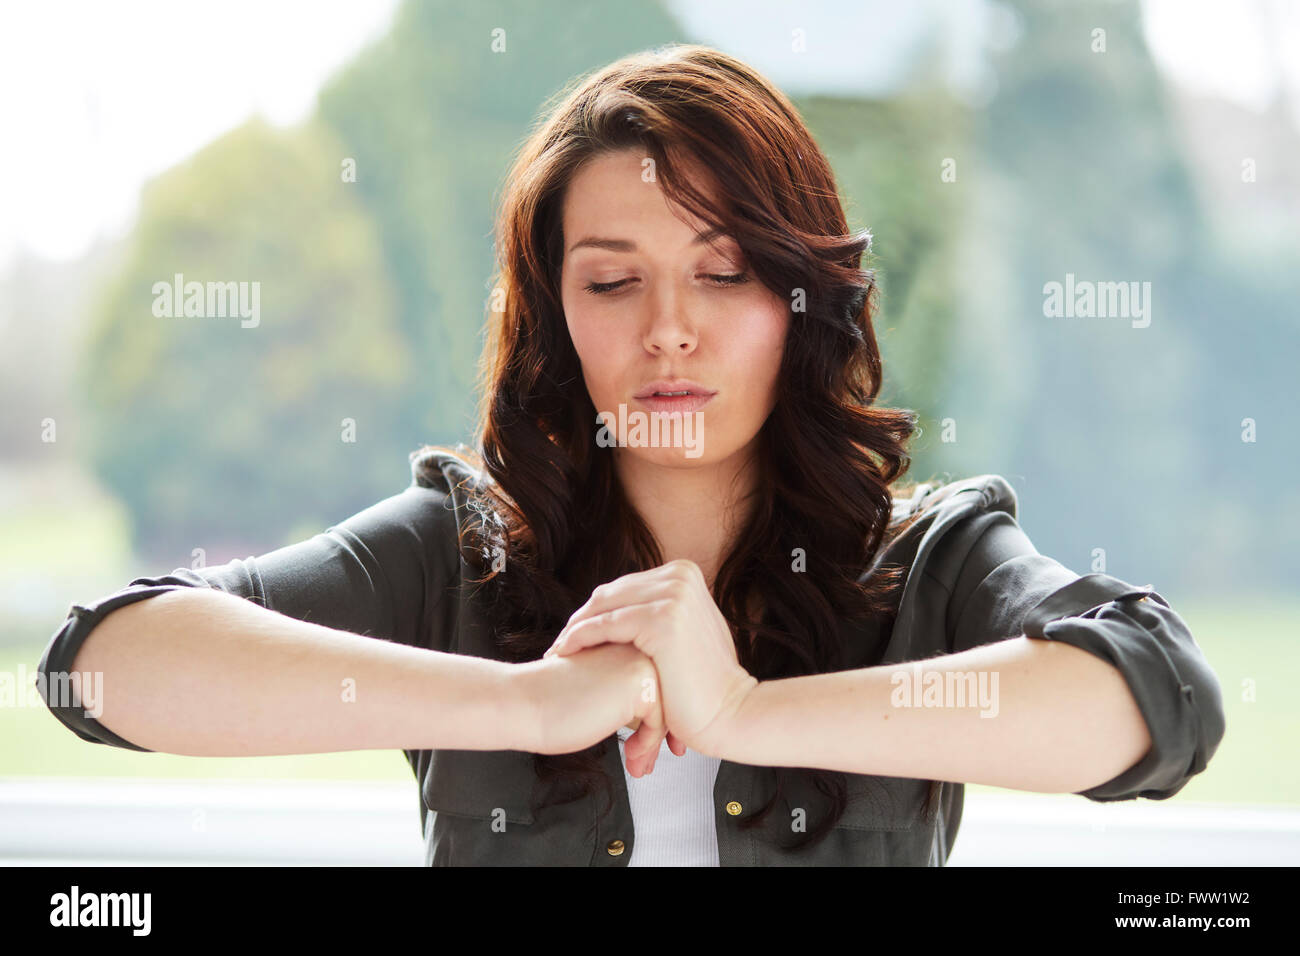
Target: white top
672	808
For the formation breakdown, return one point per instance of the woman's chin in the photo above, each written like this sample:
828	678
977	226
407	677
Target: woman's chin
667	456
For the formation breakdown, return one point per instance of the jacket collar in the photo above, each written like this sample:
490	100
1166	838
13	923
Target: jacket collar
983	492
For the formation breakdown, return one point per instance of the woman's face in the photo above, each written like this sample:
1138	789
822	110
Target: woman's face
672	313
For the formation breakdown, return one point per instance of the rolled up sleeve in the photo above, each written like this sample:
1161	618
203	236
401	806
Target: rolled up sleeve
1006	588
1178	693
56	681
385	572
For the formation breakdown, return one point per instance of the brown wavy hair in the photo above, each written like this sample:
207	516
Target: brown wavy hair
550	501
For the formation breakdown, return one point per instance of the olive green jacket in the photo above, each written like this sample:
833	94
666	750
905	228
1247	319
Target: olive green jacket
393	571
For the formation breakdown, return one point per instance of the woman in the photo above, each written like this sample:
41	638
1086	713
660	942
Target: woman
682	532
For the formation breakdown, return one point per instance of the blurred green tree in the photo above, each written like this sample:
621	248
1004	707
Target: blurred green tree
218	435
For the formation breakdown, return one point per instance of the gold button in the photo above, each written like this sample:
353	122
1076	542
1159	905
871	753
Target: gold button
734	808
615	848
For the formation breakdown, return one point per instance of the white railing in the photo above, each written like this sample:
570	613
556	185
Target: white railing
81	821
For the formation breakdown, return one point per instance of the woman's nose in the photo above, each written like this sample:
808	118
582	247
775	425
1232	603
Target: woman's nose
669	330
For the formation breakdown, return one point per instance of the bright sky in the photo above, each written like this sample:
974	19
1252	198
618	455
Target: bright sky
94	100
1246	52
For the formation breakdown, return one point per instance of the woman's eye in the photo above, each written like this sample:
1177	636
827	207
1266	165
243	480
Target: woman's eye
602	288
735	278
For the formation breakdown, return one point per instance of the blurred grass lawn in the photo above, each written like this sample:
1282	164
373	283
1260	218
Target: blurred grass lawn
1247	640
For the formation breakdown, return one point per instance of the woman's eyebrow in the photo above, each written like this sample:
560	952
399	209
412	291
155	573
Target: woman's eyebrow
627	245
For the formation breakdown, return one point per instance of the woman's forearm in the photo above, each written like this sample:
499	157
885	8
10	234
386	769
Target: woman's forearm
205	673
1059	719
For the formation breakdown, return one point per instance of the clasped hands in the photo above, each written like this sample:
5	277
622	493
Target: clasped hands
690	689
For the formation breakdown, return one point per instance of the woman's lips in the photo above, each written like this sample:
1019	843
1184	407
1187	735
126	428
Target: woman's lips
675	403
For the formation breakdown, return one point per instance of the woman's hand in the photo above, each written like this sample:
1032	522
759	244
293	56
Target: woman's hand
668	614
580	699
